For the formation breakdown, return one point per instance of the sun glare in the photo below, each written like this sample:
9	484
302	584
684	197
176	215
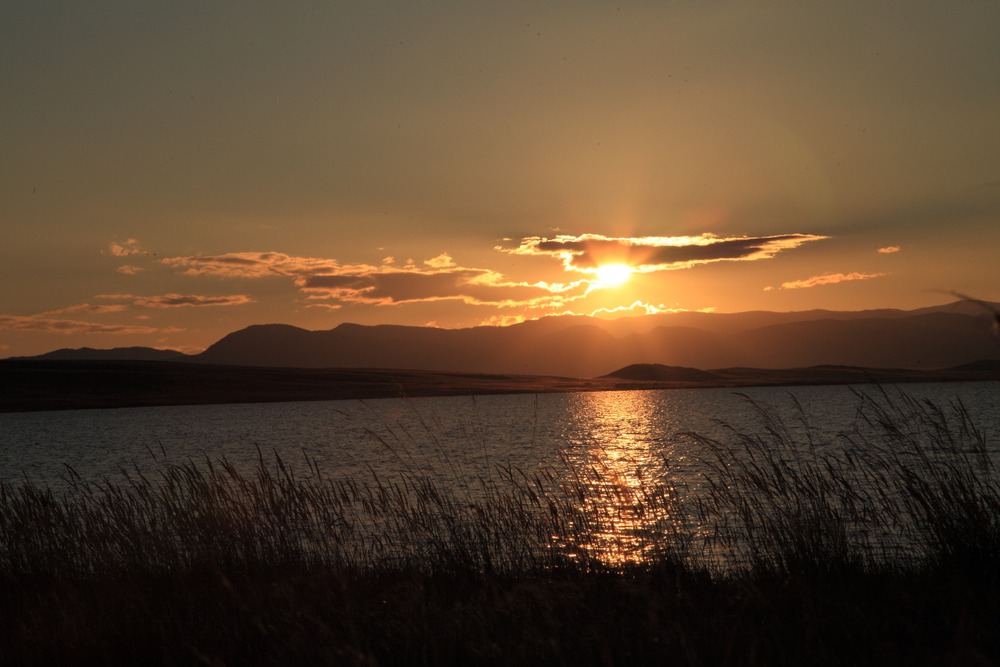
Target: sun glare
613	275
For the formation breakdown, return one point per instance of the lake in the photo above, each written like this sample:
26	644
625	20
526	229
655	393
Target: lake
606	446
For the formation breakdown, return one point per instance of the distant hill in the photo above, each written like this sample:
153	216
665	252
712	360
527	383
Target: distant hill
929	338
115	353
661	373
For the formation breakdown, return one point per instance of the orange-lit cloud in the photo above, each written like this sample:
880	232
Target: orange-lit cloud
179	300
386	287
99	309
50	325
129	270
646	254
254	265
829	279
502	320
637	306
128	248
436	279
442	261
49	321
888	250
441	278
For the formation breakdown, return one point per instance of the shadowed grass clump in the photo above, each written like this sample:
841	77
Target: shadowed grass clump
912	486
877	546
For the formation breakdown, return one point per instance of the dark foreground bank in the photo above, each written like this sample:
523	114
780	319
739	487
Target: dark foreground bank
655	615
29	385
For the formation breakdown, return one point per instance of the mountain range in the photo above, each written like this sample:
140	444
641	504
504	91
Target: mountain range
585	347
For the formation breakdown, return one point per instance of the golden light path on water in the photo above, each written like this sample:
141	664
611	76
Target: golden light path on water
625	511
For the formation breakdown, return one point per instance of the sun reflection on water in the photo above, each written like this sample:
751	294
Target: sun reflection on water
625	508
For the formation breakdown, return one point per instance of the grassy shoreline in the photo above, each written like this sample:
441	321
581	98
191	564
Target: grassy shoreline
883	550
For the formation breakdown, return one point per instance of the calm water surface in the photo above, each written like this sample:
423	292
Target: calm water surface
623	463
635	431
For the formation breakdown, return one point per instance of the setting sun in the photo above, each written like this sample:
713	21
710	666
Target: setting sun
613	275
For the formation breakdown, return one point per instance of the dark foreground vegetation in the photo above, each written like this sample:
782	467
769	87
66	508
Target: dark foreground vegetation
880	548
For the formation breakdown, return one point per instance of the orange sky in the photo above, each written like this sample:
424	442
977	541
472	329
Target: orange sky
172	173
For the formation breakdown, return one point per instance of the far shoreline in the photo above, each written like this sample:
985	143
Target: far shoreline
44	385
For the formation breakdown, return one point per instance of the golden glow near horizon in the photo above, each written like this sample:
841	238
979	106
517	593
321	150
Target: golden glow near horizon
477	163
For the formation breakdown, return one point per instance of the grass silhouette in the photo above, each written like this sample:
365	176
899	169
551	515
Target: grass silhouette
881	547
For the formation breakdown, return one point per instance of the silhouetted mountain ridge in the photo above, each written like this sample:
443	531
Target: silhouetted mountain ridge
580	346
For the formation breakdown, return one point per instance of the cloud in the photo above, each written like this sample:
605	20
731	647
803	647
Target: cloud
129	270
179	300
438	278
49	321
636	306
385	287
127	249
99	309
646	254
828	279
888	250
255	265
49	325
442	278
442	261
502	320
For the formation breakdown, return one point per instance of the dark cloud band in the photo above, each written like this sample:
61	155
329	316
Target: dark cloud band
657	253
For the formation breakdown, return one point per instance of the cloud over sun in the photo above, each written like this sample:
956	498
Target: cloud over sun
587	253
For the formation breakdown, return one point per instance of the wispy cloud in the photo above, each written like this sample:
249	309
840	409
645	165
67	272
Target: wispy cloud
129	270
637	306
442	261
438	278
127	249
257	265
52	325
87	308
50	322
502	320
656	253
888	250
178	300
326	282
385	287
829	279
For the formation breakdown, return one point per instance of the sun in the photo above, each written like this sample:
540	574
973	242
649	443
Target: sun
613	275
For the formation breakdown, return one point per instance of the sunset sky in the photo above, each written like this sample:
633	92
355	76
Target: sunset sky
174	171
